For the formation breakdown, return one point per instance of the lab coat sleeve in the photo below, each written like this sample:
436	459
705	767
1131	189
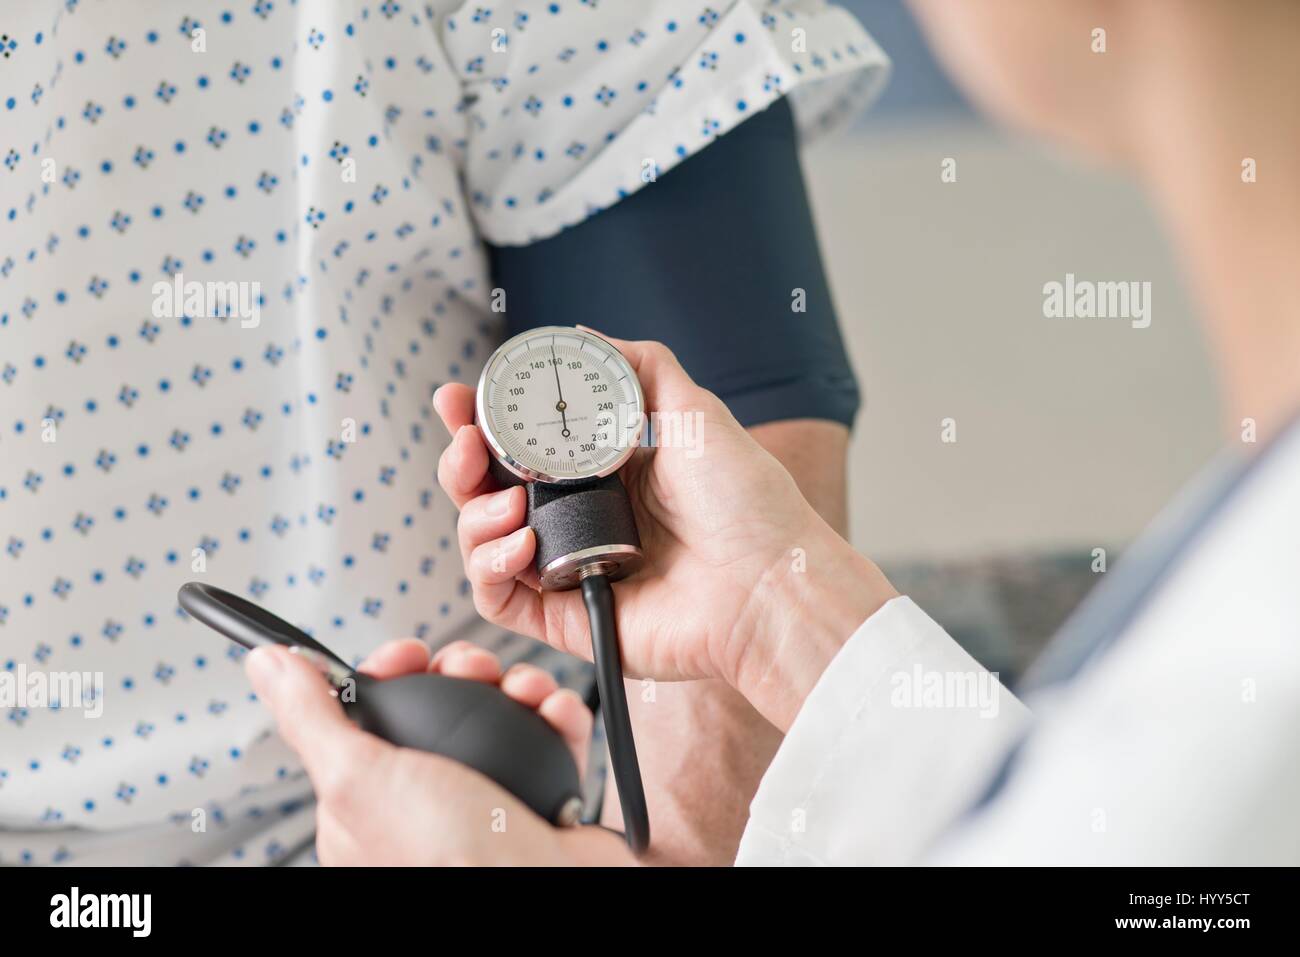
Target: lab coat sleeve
1177	748
900	734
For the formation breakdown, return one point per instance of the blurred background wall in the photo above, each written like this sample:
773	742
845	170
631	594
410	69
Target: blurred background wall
1070	433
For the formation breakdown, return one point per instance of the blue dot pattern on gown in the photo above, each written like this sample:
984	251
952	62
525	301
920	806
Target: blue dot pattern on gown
340	163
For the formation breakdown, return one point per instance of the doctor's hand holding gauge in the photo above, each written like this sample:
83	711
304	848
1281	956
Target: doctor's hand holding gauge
731	575
724	534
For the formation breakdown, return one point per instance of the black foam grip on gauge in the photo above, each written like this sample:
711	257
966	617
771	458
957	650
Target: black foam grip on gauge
501	475
568	519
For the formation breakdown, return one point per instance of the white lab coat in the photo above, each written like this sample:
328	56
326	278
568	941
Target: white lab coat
1179	745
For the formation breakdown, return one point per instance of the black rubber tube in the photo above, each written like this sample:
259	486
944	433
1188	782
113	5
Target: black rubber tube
599	599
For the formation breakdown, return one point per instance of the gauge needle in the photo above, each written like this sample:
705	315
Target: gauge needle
561	405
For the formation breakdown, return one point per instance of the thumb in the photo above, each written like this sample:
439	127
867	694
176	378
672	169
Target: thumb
310	718
668	387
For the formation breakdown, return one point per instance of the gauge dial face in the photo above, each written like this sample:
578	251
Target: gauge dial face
558	404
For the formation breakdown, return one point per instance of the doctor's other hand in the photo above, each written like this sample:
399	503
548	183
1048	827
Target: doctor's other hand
742	581
378	804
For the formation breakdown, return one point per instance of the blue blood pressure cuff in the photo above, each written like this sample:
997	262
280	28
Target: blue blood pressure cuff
717	259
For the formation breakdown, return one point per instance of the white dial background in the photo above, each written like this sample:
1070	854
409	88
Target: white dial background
561	403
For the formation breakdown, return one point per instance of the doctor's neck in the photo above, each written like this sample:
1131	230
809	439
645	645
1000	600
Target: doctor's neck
1215	135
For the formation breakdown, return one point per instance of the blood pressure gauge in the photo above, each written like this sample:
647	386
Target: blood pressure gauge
561	410
559	405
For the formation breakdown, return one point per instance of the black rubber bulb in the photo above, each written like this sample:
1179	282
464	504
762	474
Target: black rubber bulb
479	726
474	723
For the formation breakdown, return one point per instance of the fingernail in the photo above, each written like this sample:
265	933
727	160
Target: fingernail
266	659
330	669
263	666
313	657
516	538
499	503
